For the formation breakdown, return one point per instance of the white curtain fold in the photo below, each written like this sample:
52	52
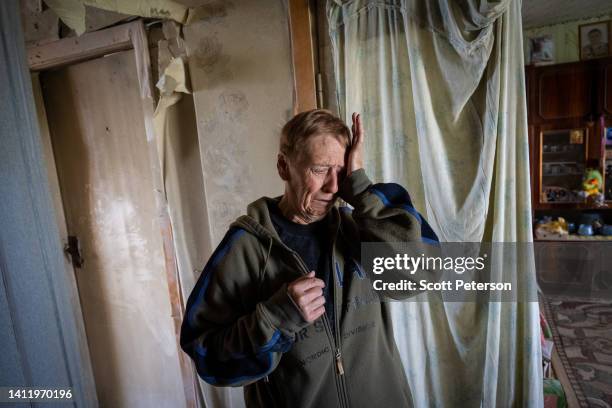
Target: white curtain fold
440	85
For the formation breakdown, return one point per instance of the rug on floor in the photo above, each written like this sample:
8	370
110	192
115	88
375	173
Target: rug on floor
582	331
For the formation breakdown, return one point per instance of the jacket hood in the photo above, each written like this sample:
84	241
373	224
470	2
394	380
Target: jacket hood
258	222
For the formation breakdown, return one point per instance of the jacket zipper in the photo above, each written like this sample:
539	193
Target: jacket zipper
339	362
337	313
330	333
338	337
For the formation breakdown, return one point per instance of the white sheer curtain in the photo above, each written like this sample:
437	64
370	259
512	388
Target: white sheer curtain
440	85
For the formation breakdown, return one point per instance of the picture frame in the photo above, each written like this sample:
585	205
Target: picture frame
542	50
594	40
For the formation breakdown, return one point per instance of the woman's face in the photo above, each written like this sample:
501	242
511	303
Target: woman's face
313	178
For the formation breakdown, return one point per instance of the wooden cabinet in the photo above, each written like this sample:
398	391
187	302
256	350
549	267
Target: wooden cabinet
604	100
569	108
563	159
562	92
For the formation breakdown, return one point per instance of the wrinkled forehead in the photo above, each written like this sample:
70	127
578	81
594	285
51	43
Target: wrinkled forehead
323	149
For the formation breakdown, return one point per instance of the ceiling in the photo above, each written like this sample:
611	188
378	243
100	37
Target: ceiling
537	13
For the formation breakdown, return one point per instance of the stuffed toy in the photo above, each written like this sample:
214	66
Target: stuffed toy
592	184
557	228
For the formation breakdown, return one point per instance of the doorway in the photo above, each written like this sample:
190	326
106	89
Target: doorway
99	147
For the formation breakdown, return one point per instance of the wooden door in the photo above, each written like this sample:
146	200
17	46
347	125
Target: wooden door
604	88
561	92
97	131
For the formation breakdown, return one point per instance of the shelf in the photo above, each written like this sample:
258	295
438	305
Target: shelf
576	238
568	153
581	206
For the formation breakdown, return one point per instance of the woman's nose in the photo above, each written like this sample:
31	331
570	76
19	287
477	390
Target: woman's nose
331	182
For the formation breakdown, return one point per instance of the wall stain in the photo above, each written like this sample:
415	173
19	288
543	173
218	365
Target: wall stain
210	125
233	104
209	54
214	10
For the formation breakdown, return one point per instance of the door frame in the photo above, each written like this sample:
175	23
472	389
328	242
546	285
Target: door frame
301	29
129	36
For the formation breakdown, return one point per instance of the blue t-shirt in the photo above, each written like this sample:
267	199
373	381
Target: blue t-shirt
311	243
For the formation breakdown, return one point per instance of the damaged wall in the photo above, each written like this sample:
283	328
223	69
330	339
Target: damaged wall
240	66
41	23
239	58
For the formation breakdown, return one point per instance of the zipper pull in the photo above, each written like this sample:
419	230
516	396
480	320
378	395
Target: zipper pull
339	362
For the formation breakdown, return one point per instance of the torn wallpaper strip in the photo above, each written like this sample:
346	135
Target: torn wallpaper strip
73	12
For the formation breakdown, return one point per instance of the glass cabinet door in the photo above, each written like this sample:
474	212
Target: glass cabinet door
563	156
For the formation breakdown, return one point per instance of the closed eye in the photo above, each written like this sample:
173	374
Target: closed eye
323	170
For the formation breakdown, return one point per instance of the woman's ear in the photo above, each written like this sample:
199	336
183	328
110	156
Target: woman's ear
283	167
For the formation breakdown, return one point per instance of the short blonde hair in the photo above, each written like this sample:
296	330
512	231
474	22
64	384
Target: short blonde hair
306	125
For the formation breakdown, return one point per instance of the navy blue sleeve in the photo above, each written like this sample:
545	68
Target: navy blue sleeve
233	342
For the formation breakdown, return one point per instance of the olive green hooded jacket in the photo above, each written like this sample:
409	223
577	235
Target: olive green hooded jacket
242	329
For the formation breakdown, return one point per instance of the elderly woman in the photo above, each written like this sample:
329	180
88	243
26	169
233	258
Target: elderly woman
283	306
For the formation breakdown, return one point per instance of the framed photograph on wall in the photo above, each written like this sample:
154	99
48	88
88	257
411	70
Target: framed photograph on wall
542	50
594	40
